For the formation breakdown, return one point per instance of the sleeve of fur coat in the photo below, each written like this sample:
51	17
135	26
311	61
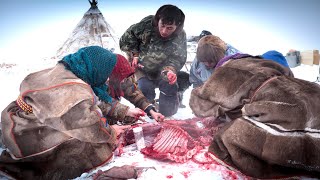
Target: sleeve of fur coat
114	111
133	94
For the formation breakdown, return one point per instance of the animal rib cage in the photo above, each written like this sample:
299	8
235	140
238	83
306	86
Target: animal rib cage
173	143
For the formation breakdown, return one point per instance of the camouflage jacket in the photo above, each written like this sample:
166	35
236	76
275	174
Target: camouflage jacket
155	54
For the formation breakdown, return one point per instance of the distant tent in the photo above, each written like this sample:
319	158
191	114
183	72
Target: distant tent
93	29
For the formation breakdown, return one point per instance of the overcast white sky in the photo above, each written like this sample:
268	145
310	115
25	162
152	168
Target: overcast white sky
32	29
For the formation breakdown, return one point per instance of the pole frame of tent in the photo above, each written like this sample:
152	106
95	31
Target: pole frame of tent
318	78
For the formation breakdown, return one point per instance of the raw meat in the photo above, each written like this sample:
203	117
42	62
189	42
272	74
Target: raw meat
173	143
176	140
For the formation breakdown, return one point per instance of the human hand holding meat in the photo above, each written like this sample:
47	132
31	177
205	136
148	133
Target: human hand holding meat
136	113
172	77
157	116
120	129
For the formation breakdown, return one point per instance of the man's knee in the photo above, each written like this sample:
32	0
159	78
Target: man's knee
168	100
168	89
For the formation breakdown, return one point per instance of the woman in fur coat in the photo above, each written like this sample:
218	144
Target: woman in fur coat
58	128
273	119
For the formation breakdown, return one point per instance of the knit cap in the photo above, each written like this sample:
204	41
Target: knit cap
204	33
92	64
276	57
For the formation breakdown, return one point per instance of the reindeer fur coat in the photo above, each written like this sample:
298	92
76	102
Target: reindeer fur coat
275	118
63	137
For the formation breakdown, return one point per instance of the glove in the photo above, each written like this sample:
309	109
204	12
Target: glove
170	76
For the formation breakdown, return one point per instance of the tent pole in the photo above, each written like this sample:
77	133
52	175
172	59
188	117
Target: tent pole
318	78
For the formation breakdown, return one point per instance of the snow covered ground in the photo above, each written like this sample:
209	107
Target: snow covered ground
12	75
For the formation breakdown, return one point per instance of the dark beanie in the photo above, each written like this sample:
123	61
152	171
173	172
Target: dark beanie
204	33
92	64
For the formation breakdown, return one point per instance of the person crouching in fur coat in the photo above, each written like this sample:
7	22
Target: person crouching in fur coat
55	129
122	84
274	125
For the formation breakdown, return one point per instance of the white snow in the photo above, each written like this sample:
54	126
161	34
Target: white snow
11	77
163	170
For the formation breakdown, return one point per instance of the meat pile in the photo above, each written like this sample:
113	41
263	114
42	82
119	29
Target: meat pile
176	140
173	143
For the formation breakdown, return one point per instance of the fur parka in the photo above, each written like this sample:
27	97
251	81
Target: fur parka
62	137
275	120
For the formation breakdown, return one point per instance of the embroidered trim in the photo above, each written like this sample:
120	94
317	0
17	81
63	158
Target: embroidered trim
23	105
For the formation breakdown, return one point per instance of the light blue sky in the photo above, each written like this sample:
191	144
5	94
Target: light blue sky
253	26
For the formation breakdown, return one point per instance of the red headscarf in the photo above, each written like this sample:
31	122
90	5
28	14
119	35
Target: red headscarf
121	70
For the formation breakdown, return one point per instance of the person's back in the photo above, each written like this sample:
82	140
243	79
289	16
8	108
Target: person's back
267	109
60	130
56	120
158	47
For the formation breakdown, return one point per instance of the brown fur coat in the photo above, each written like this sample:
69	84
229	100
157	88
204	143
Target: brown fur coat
275	125
65	134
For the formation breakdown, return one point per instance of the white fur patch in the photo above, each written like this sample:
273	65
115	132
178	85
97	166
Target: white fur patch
315	133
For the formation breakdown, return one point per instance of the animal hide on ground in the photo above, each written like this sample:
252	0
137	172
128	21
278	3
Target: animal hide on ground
275	125
117	173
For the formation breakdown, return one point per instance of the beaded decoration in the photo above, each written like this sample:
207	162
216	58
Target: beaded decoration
23	105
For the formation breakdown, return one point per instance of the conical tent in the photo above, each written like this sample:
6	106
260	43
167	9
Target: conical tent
93	29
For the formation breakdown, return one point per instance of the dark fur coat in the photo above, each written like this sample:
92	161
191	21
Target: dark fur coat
275	118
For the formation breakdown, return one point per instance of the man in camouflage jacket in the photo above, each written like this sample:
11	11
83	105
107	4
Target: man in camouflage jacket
157	46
